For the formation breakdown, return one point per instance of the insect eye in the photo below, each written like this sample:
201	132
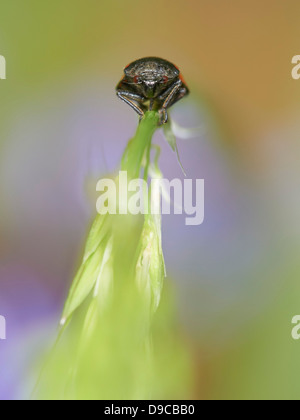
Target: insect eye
136	79
165	79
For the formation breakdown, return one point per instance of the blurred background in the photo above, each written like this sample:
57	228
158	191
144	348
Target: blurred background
236	277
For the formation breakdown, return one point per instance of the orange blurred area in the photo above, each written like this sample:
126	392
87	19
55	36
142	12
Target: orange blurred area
238	53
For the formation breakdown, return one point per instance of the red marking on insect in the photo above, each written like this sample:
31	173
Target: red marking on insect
136	79
182	79
165	79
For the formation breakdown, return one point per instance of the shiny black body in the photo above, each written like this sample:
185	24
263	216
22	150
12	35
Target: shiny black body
152	84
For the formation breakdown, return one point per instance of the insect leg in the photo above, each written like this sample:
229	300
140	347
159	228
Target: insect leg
128	98
171	94
168	97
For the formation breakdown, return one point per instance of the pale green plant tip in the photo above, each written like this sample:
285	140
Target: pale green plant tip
109	322
89	273
150	268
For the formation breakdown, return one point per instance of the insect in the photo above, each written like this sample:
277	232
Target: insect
151	84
